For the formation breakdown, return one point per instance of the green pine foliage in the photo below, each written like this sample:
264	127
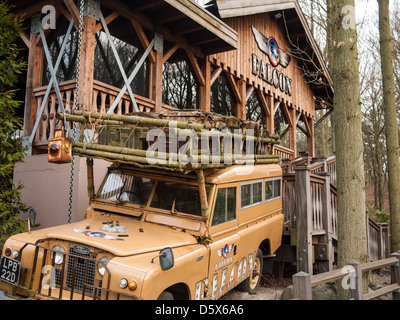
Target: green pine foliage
11	151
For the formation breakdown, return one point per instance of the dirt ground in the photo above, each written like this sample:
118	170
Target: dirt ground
272	289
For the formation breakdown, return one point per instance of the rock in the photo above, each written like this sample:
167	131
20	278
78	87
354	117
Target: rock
325	291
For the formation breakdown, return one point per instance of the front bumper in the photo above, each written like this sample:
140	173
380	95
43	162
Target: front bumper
76	278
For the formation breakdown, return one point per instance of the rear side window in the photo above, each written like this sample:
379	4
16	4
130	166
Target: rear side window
225	206
272	189
250	194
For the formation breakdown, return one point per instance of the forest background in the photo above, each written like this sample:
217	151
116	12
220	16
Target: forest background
375	162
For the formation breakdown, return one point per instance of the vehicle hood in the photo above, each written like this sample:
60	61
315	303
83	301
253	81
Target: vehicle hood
140	236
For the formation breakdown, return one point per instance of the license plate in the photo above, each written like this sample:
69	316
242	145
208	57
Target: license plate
9	270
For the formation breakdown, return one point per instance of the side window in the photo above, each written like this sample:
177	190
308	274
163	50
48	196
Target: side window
250	194
272	189
225	206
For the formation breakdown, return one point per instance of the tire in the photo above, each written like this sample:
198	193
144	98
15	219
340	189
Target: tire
252	283
165	295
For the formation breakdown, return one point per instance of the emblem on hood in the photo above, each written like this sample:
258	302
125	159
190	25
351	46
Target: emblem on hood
96	234
82	249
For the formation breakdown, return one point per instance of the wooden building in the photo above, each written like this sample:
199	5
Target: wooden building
256	60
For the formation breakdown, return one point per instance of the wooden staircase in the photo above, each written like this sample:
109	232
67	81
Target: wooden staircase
309	240
309	208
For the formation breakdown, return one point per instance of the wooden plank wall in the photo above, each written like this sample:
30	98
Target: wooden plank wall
239	62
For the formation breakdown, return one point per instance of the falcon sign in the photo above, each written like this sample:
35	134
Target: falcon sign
277	57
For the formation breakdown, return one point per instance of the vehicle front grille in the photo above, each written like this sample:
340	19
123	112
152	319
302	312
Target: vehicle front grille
80	273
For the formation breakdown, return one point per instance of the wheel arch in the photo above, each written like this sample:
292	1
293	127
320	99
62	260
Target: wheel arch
265	247
180	291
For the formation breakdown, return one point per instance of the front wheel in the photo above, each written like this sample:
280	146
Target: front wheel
252	283
165	295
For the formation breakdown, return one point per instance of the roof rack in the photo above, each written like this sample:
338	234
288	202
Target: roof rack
183	140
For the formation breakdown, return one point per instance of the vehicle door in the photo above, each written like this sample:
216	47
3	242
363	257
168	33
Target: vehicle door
223	266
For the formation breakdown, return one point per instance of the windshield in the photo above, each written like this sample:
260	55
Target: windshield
172	196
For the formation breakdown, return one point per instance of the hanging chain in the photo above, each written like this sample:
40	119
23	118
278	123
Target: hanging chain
75	105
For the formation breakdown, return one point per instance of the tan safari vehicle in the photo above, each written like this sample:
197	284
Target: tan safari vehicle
147	235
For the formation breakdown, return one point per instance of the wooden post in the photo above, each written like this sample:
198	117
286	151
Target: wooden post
310	138
241	106
327	220
356	285
293	130
157	73
205	91
87	64
304	219
396	275
385	240
33	80
302	286
271	117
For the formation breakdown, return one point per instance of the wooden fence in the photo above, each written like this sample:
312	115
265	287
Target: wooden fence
351	276
378	240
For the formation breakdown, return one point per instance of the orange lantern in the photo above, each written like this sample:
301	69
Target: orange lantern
60	148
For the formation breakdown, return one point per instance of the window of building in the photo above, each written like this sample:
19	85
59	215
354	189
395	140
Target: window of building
254	110
301	137
55	38
179	84
281	125
250	194
129	49
272	189
222	98
225	206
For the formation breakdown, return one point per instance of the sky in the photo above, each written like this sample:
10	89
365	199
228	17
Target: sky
368	7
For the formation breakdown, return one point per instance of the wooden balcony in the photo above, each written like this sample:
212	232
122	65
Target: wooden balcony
103	97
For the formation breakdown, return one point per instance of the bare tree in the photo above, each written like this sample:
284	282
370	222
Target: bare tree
352	239
391	127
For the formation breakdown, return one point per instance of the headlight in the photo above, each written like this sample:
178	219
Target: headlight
59	254
123	283
15	254
102	264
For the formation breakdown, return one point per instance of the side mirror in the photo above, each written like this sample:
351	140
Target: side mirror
166	259
32	217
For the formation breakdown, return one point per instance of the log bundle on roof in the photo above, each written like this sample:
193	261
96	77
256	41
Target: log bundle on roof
182	140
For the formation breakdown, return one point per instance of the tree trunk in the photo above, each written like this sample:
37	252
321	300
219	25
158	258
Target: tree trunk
391	130
352	239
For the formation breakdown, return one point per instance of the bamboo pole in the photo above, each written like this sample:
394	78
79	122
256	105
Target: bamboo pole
90	187
203	193
137	120
173	157
114	119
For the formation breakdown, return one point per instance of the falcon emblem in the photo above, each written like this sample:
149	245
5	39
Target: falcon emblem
270	47
225	250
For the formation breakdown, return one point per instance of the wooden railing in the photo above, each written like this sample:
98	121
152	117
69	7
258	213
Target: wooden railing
378	240
105	94
103	97
284	153
351	276
321	204
48	122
